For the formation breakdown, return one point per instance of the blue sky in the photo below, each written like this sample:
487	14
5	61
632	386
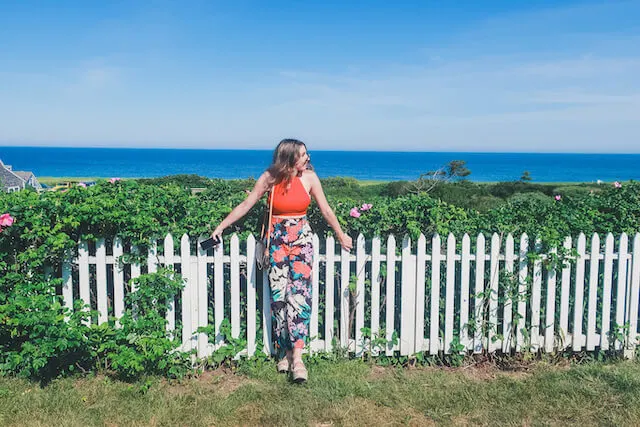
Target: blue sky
534	76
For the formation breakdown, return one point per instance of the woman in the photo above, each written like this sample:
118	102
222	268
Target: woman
293	183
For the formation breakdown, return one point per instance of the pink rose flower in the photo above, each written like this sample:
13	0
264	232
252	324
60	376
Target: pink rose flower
6	220
354	213
617	184
112	180
558	197
366	206
82	184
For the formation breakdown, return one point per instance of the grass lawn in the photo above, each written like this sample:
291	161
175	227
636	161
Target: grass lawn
339	393
52	180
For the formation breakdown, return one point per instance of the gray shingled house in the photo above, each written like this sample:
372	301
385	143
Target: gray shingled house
11	180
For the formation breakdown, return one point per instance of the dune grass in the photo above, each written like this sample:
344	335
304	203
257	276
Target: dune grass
339	393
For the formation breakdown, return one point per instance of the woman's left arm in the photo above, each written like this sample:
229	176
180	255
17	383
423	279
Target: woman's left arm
318	194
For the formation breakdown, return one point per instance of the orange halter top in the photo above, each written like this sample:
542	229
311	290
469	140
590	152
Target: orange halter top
291	202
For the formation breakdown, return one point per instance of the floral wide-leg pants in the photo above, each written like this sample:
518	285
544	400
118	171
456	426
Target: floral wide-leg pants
291	256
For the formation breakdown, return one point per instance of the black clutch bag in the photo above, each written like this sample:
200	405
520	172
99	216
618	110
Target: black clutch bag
209	243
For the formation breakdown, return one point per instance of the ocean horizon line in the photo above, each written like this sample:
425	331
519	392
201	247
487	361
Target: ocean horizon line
322	150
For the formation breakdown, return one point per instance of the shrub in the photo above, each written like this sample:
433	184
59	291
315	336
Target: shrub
142	345
40	338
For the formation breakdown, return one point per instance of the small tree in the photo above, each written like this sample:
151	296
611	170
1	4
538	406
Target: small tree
452	171
526	176
457	169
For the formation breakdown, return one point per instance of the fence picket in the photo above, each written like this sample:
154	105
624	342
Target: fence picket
606	292
579	295
390	294
101	280
152	257
235	286
168	263
536	297
67	284
507	312
564	296
594	264
478	345
421	256
135	267
407	305
464	292
494	278
359	308
375	289
621	292
218	291
202	301
329	287
83	276
522	290
193	295
550	312
315	290
251	295
450	289
434	326
185	268
118	279
345	308
634	295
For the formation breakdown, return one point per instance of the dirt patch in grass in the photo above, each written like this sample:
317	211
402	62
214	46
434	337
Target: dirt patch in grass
488	371
481	371
249	414
220	381
378	372
360	411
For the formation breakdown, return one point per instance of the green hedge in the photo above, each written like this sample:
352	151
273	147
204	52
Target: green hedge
39	338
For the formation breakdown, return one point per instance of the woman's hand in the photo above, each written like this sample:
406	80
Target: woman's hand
345	241
217	234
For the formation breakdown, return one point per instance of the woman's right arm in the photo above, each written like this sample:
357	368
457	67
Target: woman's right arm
261	187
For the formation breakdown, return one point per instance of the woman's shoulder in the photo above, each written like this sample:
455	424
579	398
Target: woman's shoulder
266	180
309	174
267	176
310	179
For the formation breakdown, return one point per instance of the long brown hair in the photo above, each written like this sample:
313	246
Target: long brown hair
285	157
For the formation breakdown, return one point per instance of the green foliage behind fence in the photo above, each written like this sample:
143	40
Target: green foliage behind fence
40	338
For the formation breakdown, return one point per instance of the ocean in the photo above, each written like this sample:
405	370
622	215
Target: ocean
363	165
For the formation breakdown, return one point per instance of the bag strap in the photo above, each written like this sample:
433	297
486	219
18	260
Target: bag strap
262	232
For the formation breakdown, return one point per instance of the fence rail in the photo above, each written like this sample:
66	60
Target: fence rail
434	296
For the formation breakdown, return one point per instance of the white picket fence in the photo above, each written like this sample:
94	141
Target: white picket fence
445	296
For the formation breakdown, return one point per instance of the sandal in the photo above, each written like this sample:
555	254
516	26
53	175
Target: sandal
299	372
284	366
